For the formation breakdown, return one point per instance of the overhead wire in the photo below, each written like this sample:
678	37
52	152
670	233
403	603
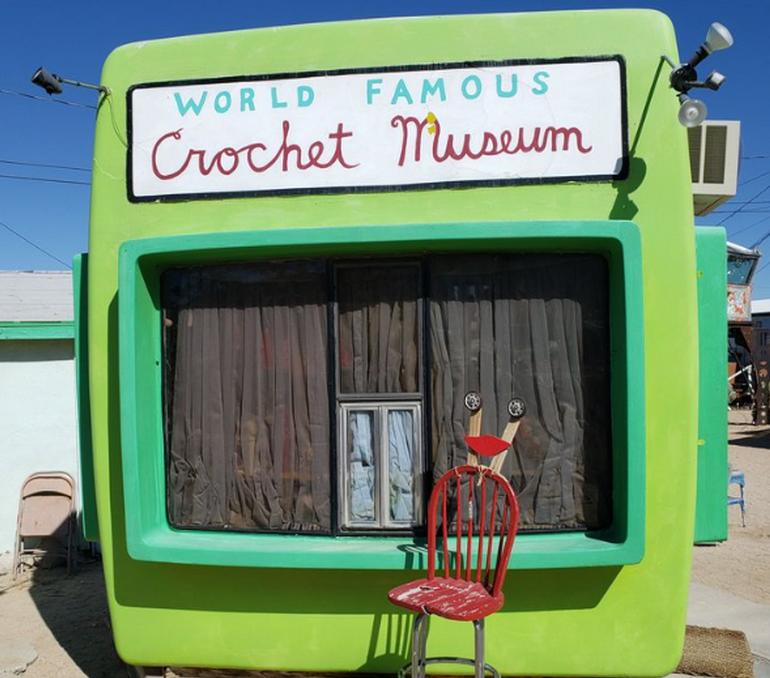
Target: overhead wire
763	267
749	227
748	202
759	176
761	210
35	245
43	164
50	100
45	180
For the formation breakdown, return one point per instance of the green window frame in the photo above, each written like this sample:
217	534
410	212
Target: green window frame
141	262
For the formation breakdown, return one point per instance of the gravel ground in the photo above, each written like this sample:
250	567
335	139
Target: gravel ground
65	618
741	565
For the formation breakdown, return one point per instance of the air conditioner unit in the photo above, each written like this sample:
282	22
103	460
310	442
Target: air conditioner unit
714	153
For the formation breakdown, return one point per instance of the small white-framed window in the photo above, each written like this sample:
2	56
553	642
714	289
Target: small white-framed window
381	465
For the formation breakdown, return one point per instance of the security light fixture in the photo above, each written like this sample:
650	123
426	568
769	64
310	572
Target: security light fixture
692	112
683	78
717	38
714	80
48	81
52	83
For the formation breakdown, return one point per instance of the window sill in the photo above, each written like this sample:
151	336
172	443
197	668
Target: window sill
531	551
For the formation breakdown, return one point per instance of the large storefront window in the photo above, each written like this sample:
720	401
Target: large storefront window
247	408
264	361
537	327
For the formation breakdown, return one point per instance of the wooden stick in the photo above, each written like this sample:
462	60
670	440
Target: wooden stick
474	423
509	433
474	429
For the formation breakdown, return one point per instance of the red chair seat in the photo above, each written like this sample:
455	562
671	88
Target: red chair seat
446	597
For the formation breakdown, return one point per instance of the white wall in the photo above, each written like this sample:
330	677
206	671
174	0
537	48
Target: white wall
38	419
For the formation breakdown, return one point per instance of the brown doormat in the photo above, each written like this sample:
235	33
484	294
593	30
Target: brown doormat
716	652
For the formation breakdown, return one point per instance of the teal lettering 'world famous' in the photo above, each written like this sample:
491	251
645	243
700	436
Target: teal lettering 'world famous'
372	89
275	100
401	92
510	92
471	87
190	103
222	102
305	95
247	99
539	80
432	88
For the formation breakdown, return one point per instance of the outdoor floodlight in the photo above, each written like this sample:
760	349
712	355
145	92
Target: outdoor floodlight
717	38
684	77
52	83
48	81
692	112
714	80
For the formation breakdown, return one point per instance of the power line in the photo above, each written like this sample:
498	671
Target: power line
741	208
50	100
759	176
761	210
37	247
750	226
50	181
761	240
755	157
42	164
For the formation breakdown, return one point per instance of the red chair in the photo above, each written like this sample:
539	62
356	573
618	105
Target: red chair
476	511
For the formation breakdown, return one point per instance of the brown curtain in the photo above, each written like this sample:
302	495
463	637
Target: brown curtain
246	397
378	329
535	326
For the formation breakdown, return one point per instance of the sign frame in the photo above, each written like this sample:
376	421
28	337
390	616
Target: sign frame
621	175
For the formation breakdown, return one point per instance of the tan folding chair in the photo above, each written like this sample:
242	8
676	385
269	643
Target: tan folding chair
46	512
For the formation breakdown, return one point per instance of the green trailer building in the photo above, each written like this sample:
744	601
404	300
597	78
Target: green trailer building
711	493
306	244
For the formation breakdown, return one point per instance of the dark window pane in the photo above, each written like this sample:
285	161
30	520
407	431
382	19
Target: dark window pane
246	396
378	329
534	326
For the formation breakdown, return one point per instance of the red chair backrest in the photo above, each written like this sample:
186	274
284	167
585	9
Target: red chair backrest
485	511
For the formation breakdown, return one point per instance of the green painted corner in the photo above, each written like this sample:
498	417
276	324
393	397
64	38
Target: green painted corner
148	533
32	330
88	518
711	493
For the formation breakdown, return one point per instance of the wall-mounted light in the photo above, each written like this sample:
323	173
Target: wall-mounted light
683	78
52	83
692	112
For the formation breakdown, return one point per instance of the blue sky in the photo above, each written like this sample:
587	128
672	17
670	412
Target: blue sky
74	38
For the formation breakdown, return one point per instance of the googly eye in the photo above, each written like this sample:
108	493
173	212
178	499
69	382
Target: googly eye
472	401
517	408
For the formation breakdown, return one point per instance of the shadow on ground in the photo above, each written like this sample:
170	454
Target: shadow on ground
74	608
759	439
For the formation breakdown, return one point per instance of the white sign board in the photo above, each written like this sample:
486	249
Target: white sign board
379	129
